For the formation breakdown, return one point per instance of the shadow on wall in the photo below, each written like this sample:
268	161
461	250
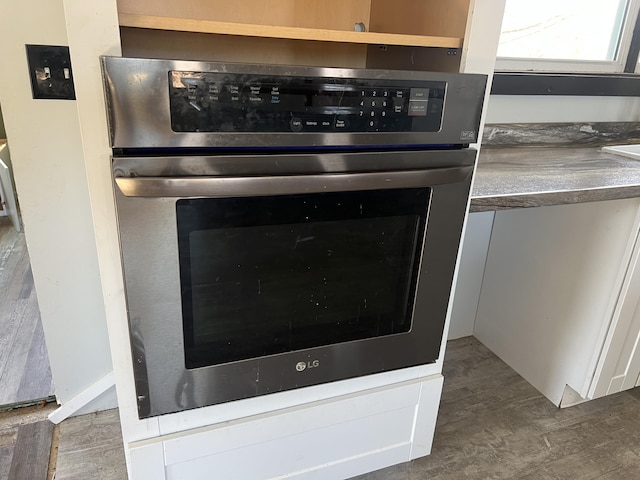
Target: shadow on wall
3	134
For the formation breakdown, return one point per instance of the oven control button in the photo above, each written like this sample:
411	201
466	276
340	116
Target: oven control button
417	109
421	94
341	124
295	124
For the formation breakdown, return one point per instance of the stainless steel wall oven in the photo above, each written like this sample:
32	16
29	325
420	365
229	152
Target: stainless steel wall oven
284	226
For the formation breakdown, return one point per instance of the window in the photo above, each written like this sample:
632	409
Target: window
595	36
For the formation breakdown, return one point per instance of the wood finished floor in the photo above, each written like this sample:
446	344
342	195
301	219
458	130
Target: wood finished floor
492	425
26	436
25	375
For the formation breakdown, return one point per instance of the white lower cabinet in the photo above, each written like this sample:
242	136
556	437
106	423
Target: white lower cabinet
333	439
618	367
551	292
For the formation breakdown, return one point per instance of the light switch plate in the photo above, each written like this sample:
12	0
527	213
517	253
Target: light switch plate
50	72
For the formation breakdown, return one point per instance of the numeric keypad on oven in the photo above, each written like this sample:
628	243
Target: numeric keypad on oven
378	105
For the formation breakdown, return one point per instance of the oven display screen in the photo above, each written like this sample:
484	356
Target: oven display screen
267	275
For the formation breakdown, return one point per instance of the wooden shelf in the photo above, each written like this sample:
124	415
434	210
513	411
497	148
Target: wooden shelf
291	33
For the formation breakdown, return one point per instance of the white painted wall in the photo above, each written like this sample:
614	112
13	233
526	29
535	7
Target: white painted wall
51	180
558	108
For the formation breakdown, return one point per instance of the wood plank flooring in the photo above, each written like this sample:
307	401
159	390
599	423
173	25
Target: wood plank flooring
25	375
25	443
31	451
492	425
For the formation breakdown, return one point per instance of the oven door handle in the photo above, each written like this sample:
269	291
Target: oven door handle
287	184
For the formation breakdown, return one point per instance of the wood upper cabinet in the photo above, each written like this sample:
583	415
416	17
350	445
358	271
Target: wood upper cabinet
403	34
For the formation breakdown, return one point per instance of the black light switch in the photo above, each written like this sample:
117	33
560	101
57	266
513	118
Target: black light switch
50	72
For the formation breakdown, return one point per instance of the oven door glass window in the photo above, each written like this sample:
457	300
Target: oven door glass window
267	275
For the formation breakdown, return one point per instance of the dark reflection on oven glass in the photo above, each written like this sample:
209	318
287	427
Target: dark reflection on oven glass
342	268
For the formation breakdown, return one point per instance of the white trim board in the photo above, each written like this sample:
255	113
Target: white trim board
82	399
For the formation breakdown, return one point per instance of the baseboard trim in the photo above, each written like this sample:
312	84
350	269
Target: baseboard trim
82	399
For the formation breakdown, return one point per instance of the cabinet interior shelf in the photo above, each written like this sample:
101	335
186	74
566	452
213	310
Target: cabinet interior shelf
291	33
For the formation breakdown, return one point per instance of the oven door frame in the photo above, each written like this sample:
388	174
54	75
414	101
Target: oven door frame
146	191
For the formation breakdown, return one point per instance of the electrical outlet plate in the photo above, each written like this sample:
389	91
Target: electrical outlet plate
50	72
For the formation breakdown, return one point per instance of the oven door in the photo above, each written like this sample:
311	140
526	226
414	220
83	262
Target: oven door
247	275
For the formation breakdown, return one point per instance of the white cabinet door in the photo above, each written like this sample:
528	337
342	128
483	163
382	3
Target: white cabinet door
619	364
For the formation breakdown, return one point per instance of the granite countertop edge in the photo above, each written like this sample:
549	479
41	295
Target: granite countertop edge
524	177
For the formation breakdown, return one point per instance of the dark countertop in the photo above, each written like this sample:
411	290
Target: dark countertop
525	176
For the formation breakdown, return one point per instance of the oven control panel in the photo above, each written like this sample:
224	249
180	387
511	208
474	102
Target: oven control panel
233	102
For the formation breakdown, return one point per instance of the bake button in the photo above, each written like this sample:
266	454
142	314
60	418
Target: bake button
295	124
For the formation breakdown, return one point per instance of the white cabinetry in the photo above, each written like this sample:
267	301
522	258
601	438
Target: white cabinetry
551	287
619	364
337	438
469	282
152	445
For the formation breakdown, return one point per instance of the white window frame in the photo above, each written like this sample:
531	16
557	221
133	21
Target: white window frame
511	64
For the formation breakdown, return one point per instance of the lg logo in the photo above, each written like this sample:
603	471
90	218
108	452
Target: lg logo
302	366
